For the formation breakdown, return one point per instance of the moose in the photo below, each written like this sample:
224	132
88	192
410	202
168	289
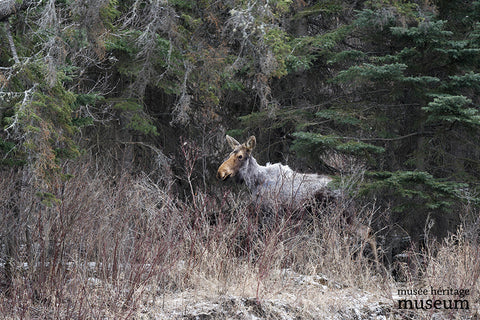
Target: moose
276	185
273	184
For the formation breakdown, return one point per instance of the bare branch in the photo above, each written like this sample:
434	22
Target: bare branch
6	27
383	139
182	107
9	7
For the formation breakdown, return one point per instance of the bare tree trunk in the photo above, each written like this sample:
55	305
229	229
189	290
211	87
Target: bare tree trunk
9	7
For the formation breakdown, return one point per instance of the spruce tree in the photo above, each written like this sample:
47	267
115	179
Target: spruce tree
411	105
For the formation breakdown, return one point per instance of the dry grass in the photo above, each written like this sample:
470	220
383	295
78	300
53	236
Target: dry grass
108	248
448	271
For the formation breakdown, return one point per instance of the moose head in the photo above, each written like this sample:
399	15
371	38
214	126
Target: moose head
237	159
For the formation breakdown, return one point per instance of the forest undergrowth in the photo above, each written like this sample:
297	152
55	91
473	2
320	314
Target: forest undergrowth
107	247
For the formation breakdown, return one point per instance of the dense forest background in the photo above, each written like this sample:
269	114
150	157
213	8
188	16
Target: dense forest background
384	87
382	94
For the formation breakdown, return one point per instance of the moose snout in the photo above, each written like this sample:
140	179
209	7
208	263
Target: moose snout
226	169
222	175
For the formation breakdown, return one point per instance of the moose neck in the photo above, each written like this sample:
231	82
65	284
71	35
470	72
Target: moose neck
251	173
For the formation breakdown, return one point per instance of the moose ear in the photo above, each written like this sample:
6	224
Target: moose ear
251	142
232	142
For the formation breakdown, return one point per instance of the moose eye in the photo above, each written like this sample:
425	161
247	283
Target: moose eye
240	157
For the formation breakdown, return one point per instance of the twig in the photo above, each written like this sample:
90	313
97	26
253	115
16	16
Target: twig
382	139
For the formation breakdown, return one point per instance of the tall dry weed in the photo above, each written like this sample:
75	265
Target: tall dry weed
103	247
